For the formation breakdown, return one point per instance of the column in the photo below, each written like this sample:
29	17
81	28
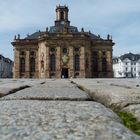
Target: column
47	62
109	64
58	15
99	63
27	64
65	15
82	62
58	62
71	62
42	59
16	73
36	64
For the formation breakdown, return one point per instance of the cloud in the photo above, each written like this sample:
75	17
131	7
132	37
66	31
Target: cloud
24	13
119	18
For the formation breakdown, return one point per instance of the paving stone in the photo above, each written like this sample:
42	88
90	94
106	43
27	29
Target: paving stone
114	93
50	90
30	82
8	86
11	87
38	116
61	120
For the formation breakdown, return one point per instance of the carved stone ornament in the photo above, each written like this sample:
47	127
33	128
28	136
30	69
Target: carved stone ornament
65	59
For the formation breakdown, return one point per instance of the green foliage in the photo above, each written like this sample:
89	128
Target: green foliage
130	122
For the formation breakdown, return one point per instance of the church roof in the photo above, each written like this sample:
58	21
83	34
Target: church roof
34	35
93	36
57	29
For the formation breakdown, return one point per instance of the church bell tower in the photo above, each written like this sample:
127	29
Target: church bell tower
62	15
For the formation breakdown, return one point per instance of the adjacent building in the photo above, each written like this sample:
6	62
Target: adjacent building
62	51
6	67
127	65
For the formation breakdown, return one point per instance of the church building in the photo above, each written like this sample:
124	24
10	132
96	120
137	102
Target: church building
62	51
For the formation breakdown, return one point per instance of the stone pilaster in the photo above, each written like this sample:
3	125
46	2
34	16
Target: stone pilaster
82	62
59	15
47	63
27	64
42	59
109	64
89	57
71	62
16	64
58	62
65	16
36	65
99	63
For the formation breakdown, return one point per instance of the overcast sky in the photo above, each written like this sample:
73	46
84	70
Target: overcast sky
120	18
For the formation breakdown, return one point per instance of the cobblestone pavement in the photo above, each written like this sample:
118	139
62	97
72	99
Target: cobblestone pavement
50	90
117	94
9	86
56	110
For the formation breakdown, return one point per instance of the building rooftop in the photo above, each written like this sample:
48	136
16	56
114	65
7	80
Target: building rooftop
5	59
130	56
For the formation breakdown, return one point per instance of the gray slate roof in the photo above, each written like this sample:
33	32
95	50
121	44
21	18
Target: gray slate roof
93	36
34	35
5	59
57	29
130	56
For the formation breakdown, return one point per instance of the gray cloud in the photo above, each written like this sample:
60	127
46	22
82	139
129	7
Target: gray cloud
119	18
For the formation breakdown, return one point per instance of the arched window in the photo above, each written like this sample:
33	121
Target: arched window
104	65
22	64
62	15
22	53
32	53
52	62
77	62
32	64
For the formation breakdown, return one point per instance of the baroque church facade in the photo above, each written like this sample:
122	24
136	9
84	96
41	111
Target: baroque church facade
63	52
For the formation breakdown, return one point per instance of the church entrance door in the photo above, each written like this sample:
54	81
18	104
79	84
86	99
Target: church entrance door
64	73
